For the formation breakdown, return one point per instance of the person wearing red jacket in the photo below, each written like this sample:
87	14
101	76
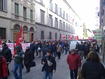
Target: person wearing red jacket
3	68
74	62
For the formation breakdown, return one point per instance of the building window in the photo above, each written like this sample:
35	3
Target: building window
3	5
41	1
42	16
31	14
51	6
60	36
55	35
50	35
102	12
42	35
56	22
66	27
60	12
56	8
50	20
63	25
64	14
60	24
31	34
16	9
24	13
2	33
67	16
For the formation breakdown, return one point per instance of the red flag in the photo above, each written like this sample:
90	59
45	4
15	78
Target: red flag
19	37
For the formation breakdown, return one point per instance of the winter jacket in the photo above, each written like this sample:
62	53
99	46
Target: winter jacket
73	61
46	66
93	70
7	54
28	57
19	58
3	67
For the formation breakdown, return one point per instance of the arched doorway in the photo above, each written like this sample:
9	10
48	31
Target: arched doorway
31	34
15	31
25	33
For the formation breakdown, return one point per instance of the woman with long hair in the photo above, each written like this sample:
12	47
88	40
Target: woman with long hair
93	68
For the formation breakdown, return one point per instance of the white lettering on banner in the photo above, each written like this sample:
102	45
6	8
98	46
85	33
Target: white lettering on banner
25	45
11	46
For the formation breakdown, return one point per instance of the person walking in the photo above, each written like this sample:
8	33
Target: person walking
6	52
49	65
59	49
93	68
3	67
28	59
18	63
74	62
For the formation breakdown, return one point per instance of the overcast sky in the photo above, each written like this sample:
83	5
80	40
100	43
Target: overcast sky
87	10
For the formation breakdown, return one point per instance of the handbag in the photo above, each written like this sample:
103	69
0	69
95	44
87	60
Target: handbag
33	64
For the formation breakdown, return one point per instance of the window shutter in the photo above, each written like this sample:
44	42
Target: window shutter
5	5
1	4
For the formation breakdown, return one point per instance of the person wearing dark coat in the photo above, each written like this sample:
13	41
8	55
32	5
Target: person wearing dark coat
86	49
44	49
28	58
7	54
3	67
92	68
32	48
49	65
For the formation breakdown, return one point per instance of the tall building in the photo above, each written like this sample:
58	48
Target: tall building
40	19
55	19
13	15
102	13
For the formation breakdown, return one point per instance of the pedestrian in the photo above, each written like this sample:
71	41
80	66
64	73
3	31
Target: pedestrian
86	49
66	47
74	62
59	49
39	49
6	52
28	58
3	67
32	48
81	50
44	48
18	63
49	65
93	68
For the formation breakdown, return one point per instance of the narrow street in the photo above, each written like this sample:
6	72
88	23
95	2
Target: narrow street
62	71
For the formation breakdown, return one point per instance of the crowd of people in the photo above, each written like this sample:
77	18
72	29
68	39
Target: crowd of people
49	52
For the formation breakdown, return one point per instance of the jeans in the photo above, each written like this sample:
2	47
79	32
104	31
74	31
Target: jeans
73	74
17	71
48	75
